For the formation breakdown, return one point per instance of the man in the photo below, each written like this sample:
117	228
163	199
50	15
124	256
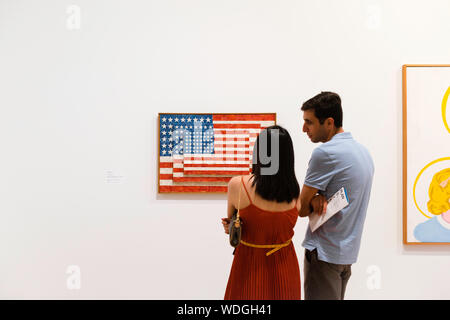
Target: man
339	162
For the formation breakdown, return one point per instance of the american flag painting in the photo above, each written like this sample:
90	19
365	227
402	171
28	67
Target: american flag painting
202	152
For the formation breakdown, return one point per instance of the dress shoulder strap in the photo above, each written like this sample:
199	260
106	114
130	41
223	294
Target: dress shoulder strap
242	180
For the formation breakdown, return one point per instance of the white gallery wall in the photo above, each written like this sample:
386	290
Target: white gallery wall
81	85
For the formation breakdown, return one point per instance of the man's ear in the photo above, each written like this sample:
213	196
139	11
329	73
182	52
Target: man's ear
330	122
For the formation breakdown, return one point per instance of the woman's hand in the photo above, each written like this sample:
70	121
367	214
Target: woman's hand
226	223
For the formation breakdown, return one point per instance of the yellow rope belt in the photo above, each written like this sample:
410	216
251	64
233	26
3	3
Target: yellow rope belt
275	246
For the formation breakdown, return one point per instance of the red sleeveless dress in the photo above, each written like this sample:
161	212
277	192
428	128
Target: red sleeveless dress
255	275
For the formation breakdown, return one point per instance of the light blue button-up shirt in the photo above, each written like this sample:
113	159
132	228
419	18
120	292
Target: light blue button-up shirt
340	162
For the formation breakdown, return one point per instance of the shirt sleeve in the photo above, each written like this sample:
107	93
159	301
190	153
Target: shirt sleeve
320	170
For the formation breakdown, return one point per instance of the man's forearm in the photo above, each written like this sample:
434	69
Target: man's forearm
306	196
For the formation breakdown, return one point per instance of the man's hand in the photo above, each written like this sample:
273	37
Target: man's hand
319	204
226	223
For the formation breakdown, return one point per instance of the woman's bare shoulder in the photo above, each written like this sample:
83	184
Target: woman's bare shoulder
234	182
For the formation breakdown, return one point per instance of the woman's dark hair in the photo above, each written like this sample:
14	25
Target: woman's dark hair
325	105
283	185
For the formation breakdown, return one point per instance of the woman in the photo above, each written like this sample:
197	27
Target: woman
437	229
265	264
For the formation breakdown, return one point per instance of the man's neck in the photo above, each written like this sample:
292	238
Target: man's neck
334	132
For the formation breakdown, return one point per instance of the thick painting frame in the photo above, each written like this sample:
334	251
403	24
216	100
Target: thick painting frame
237	116
425	93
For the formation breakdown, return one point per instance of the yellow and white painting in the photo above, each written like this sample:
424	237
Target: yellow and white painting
426	154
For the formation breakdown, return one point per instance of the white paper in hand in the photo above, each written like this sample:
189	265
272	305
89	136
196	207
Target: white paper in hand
336	203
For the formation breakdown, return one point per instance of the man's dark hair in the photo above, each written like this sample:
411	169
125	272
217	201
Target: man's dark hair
325	105
282	186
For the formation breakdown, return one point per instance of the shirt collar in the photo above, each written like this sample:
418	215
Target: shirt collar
342	135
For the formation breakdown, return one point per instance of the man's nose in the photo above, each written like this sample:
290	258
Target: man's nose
304	128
